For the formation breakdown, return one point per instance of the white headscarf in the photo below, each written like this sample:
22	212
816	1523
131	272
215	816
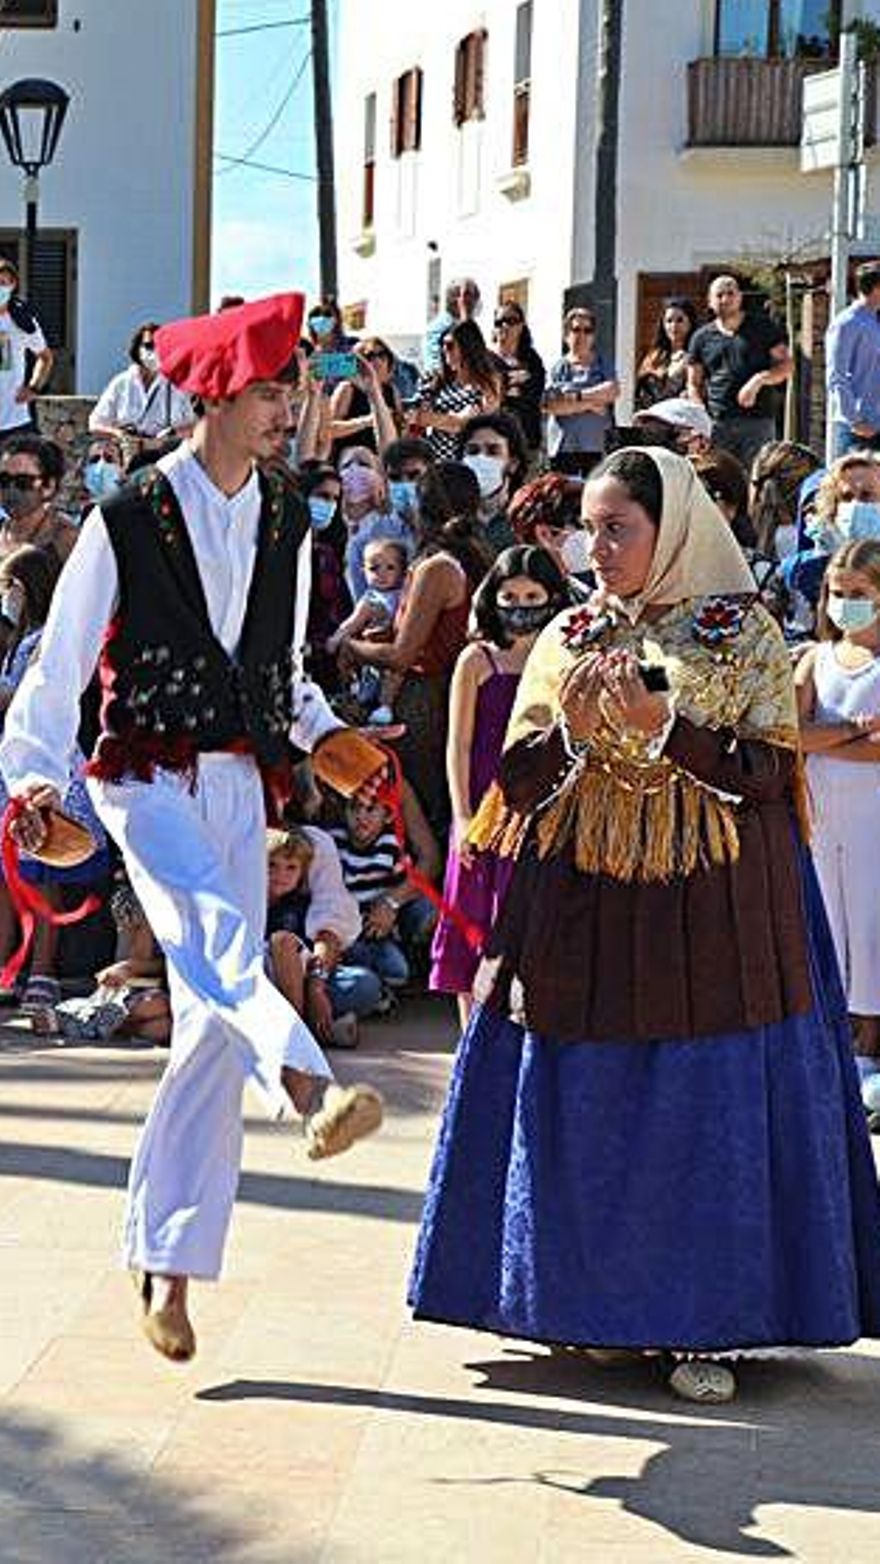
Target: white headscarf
696	553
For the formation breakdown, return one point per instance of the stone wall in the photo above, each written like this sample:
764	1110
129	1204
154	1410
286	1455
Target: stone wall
66	419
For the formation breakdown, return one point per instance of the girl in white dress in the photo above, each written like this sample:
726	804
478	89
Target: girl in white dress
839	702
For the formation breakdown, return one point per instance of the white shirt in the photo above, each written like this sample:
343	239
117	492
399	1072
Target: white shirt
331	904
14	344
127	403
42	722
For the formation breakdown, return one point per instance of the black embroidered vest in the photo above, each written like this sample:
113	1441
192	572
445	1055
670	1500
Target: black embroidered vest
169	690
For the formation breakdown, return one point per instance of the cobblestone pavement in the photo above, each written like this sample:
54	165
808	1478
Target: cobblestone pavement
317	1422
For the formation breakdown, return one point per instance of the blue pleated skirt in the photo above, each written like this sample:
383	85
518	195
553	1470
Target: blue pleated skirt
708	1193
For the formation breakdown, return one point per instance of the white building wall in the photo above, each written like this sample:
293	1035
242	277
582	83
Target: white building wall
679	210
123	173
419	197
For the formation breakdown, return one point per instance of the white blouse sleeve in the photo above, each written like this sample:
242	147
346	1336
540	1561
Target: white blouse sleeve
313	718
331	904
39	736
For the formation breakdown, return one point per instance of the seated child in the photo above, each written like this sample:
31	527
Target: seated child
310	920
130	999
385	565
397	919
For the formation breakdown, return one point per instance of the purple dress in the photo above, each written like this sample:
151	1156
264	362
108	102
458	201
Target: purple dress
477	891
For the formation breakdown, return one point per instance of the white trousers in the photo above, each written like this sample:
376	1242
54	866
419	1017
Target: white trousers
197	862
847	874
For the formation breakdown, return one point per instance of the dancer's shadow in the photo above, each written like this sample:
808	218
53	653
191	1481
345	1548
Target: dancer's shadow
803	1433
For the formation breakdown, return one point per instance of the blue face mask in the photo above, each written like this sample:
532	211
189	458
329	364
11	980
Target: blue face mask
101	478
321	511
6	292
321	325
404	496
856	519
851	613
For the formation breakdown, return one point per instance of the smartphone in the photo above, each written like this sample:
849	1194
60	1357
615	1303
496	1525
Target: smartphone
654	676
335	366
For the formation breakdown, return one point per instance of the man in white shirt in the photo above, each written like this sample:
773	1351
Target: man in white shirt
141	401
190	593
20	335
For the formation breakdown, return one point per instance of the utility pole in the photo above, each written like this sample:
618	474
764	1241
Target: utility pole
323	112
845	170
600	294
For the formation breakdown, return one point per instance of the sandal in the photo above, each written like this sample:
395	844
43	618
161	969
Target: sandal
169	1329
347	1114
704	1381
39	1001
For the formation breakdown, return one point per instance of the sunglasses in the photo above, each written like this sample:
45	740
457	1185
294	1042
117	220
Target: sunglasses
21	481
505	320
375	355
588	331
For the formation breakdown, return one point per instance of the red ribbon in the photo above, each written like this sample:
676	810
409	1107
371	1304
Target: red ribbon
27	903
390	793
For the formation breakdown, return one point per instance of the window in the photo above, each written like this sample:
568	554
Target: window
406	113
368	204
52	292
522	83
28	13
802	29
515	293
470	70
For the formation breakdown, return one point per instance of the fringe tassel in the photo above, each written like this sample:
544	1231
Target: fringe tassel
496	827
632	831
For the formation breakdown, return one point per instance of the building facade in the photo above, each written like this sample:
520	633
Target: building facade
124	214
458	156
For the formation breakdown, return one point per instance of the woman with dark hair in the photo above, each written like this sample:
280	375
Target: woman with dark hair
654	1138
140	403
663	370
330	600
523	591
581	392
353	403
525	372
31	470
469	382
431	628
547	511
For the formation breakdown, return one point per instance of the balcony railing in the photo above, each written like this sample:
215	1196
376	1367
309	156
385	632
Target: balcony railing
753	102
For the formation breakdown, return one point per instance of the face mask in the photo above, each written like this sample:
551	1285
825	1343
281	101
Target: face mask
489	473
852	613
321	511
358	483
576	552
150	359
404	495
524	618
6	292
10	606
322	325
101	478
856	519
785	540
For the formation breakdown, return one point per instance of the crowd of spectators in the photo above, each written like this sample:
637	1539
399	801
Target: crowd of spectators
445	514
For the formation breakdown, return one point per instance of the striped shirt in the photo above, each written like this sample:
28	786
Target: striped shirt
372	870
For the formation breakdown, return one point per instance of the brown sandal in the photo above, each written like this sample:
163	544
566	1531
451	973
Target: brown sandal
168	1329
347	1114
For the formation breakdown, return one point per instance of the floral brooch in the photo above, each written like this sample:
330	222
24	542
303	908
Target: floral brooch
586	626
719	619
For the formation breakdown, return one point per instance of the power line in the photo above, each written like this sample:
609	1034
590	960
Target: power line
266	132
262	27
266	168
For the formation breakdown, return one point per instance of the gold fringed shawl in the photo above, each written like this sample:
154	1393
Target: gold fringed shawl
632	817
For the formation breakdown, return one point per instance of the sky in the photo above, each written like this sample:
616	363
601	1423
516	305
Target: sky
264	223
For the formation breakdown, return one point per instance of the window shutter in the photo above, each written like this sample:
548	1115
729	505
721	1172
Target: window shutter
29	13
396	126
459	105
412	129
478	74
369	189
522	61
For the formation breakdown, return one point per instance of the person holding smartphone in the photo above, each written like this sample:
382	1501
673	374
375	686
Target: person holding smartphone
366	409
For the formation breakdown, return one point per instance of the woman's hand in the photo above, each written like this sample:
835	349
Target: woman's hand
627	702
380	919
579	697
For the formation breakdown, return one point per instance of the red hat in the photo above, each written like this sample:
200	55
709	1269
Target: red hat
216	356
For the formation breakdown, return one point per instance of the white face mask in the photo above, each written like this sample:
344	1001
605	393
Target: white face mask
852	613
855	519
576	551
489	473
10	606
150	360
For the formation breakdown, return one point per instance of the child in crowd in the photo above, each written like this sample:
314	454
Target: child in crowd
839	702
131	996
398	920
385	565
311	918
523	591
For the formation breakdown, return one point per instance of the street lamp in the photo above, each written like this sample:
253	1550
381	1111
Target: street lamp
31	116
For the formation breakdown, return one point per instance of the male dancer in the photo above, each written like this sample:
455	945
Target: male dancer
190	592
